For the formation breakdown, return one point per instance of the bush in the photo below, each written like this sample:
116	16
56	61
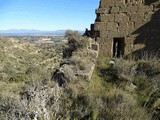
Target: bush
76	40
70	34
19	77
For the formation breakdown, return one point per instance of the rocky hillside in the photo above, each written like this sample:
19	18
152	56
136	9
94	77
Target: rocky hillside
40	97
20	57
85	87
20	63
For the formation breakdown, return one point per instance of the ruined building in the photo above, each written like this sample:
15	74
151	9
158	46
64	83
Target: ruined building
125	27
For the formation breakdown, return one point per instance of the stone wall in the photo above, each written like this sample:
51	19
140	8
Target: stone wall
137	21
80	63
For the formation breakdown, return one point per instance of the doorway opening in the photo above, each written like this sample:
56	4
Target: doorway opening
118	47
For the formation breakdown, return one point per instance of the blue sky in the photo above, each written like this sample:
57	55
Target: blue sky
47	14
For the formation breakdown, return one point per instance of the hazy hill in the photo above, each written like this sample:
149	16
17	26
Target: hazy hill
32	32
20	60
17	56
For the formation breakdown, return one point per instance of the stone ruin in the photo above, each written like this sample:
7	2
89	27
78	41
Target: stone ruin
77	64
127	27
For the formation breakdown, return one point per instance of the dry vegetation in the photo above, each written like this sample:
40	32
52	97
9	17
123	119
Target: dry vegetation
127	90
20	63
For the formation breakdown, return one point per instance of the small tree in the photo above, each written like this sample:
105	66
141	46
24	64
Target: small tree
70	34
75	41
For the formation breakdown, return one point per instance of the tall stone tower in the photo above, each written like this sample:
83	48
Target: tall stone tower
124	27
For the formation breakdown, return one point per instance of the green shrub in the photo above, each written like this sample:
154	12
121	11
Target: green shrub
70	34
75	40
19	77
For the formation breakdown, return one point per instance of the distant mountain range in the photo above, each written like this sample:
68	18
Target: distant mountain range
32	32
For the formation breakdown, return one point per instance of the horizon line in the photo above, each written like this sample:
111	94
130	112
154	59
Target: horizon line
42	29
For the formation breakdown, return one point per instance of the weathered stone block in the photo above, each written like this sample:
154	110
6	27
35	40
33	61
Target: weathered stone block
105	46
104	34
133	8
123	26
137	17
117	34
143	8
115	10
129	8
100	26
119	2
124	9
106	3
121	17
129	40
134	35
148	15
138	46
112	26
102	10
136	2
106	17
130	26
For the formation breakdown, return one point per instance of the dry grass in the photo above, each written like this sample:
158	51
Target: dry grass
106	98
128	91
